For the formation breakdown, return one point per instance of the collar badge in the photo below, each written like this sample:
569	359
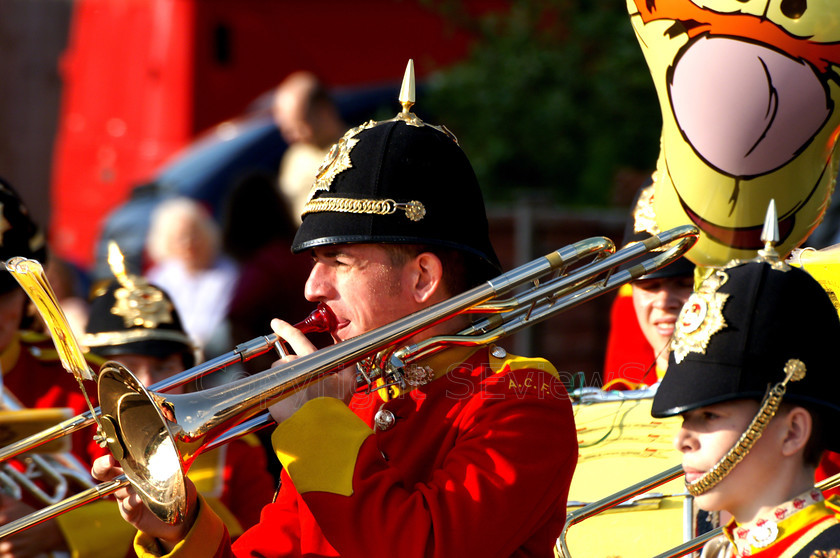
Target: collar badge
763	535
700	318
417	375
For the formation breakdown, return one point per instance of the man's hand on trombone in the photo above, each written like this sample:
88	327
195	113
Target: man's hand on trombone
135	512
340	385
132	508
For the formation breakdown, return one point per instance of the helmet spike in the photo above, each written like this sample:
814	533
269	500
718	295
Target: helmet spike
770	232
770	236
407	97
116	261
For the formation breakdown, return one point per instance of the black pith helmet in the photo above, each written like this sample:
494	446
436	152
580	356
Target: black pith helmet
641	224
135	317
738	332
19	235
399	182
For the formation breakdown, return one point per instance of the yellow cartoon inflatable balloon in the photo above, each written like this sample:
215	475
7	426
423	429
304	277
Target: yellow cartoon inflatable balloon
748	91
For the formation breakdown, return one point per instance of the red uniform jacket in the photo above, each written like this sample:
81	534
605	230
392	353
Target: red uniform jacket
32	372
478	463
629	362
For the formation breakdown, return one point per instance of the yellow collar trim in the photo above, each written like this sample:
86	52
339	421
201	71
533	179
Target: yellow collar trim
10	355
792	523
660	373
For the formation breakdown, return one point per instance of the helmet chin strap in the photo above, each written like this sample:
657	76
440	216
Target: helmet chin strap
794	371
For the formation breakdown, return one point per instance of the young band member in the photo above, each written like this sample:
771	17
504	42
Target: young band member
135	323
473	458
644	312
753	375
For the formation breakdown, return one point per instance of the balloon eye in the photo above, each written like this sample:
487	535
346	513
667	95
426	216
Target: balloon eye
794	9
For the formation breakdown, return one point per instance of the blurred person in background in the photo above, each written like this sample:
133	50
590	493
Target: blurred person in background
309	122
184	248
645	311
257	233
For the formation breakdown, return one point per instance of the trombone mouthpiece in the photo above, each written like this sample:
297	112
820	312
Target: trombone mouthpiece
320	320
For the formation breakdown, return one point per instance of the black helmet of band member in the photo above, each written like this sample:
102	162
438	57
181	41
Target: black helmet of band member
641	224
400	181
19	234
741	330
130	316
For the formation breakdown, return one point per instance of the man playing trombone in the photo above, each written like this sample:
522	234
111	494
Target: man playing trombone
472	455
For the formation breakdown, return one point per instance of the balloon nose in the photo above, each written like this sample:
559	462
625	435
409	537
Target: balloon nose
745	109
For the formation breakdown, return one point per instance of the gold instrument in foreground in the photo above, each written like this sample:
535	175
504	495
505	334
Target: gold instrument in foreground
156	437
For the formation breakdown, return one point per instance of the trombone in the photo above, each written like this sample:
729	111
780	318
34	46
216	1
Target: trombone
156	437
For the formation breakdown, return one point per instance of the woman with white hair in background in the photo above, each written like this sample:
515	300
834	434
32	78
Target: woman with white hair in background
186	260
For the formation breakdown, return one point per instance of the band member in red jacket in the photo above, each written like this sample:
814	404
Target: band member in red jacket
33	378
644	312
473	458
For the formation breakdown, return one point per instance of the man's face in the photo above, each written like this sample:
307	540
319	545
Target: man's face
361	286
657	303
707	434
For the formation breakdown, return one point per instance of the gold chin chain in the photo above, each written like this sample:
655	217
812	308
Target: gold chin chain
794	371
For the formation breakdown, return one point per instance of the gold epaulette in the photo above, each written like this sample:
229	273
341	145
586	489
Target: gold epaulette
833	503
95	359
41	346
501	359
251	439
34	337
